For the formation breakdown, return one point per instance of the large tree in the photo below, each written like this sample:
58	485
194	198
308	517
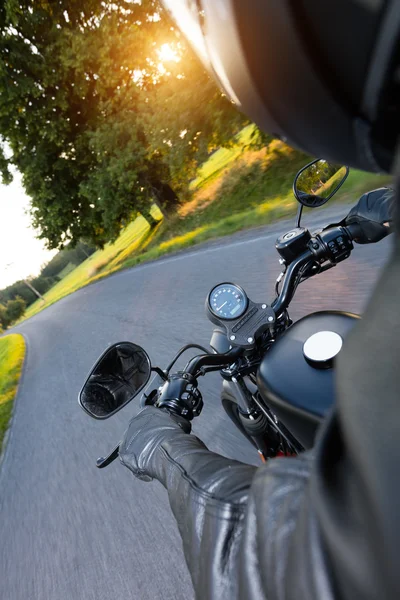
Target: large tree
97	126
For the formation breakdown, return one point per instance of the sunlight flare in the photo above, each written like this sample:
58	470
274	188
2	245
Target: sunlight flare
167	54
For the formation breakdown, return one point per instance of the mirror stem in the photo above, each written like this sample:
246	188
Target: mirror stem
299	213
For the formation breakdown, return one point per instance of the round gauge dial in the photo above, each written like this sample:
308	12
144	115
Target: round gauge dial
228	301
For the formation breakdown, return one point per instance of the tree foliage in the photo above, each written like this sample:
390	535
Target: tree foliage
11	312
19	289
3	318
97	127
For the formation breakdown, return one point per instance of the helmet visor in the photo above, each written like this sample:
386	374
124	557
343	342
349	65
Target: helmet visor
187	14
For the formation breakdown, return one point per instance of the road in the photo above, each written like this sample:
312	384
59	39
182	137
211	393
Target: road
69	531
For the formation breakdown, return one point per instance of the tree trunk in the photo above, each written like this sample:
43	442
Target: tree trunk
165	198
149	218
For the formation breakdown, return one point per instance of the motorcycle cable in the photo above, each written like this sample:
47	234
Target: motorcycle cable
181	351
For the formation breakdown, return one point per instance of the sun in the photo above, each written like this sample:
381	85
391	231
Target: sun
168	54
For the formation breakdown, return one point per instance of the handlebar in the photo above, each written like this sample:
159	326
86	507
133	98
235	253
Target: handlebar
291	280
209	360
179	393
333	244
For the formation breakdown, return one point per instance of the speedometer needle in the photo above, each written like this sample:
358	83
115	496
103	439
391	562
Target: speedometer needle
222	305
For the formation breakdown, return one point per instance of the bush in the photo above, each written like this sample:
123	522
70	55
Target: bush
3	317
13	310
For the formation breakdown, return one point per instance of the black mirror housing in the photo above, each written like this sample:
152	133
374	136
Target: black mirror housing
121	372
318	181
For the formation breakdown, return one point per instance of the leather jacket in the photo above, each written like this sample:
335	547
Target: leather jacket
319	526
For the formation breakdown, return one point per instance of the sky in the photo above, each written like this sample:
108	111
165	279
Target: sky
21	254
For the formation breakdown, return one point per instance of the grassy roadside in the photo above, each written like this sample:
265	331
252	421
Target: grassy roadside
237	188
12	354
274	209
222	158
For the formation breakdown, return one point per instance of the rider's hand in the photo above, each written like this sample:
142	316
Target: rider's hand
145	433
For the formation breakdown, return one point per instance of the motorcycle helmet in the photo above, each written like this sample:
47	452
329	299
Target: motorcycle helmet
322	76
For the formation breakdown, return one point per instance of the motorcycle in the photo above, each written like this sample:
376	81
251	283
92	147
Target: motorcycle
277	376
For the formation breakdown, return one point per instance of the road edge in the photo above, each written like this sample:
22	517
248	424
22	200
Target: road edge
8	433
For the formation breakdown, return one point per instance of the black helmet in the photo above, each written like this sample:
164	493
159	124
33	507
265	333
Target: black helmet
322	75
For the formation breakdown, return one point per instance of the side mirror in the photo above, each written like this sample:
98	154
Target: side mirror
318	181
118	376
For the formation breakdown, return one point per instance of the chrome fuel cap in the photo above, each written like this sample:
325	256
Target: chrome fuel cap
321	348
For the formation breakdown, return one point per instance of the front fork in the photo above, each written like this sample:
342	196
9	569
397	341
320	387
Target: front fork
253	420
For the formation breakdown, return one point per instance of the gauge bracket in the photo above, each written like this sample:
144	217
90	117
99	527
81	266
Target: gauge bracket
256	319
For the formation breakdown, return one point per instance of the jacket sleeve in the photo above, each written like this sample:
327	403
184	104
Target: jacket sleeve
236	521
208	494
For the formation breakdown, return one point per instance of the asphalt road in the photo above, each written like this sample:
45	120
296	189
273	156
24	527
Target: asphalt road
69	531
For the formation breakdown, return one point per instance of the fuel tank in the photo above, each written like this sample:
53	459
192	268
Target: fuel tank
296	378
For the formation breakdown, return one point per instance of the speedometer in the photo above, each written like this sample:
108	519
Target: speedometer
227	301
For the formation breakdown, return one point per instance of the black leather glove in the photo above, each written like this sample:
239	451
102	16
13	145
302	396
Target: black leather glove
370	219
145	433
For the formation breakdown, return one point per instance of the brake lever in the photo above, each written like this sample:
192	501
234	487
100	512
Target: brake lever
104	461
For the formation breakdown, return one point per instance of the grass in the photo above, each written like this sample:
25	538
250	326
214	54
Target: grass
237	188
66	270
267	212
222	158
12	353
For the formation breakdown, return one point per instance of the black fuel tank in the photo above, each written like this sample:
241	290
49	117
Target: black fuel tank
299	391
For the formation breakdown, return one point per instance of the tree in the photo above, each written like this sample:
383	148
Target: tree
28	290
188	116
3	317
91	119
10	312
17	289
15	309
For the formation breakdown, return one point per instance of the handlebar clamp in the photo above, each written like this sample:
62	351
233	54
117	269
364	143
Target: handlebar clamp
242	332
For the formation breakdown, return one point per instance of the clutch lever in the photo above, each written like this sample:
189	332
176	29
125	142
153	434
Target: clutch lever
104	461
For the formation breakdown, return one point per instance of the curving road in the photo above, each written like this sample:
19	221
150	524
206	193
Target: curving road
69	531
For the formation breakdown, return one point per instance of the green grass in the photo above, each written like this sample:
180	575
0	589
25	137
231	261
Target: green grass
237	188
12	353
222	158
